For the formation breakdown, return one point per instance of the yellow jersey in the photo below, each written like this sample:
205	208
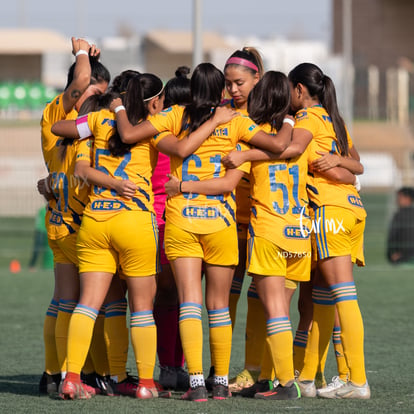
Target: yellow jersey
199	213
321	191
280	202
71	194
136	166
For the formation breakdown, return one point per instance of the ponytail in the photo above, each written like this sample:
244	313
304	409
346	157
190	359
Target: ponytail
321	86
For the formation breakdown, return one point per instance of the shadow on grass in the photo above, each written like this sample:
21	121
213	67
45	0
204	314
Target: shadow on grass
19	384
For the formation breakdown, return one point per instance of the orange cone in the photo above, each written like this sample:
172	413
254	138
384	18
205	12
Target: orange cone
15	266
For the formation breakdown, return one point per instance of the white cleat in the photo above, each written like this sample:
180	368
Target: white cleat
330	390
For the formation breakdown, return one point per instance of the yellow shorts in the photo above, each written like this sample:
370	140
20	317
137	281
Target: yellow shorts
339	233
265	258
64	250
219	248
291	284
128	239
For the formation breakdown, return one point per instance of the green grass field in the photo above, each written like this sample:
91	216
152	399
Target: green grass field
385	297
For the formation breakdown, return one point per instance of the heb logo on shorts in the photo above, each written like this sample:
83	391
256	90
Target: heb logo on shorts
201	212
355	201
56	218
296	232
107	205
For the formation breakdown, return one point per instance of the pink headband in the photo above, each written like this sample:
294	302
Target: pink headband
243	62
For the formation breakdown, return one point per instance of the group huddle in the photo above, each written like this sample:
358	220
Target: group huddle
233	175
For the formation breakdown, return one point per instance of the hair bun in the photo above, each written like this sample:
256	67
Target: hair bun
182	71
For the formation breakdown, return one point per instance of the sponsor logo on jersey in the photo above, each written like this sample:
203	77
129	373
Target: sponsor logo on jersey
56	218
301	115
110	122
107	205
221	132
201	212
355	201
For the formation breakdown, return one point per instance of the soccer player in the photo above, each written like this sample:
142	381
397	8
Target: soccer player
340	217
108	238
86	76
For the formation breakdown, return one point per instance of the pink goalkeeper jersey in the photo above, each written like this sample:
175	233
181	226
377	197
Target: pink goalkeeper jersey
159	178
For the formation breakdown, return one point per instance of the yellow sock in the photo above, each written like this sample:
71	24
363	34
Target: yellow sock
343	370
144	343
220	340
116	338
255	330
352	329
235	290
191	332
80	336
280	343
267	371
66	308
51	359
320	334
299	347
98	347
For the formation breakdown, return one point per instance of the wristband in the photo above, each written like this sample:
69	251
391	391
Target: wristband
81	52
357	184
289	121
119	108
83	127
180	187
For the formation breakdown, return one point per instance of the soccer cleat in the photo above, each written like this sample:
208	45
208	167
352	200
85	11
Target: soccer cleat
101	385
350	390
307	388
287	392
330	390
71	390
258	386
126	387
49	383
209	381
145	393
243	379
198	394
168	378
220	392
183	379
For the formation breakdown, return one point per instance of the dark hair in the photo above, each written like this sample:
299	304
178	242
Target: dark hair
97	102
140	89
407	191
207	85
321	86
269	100
120	82
252	55
99	73
177	89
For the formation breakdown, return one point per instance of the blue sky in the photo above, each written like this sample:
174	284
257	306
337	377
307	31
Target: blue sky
99	18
